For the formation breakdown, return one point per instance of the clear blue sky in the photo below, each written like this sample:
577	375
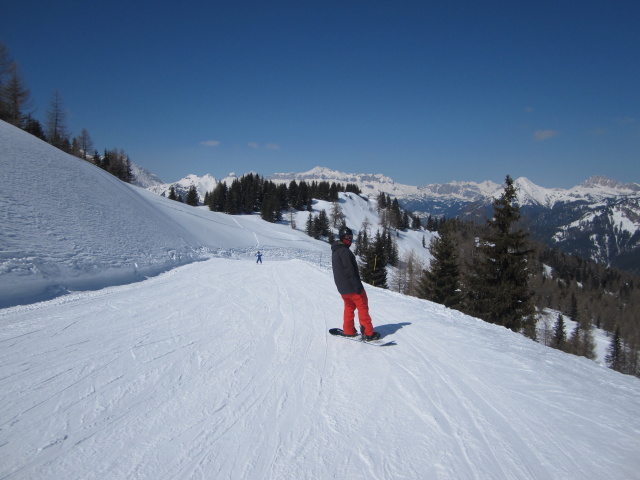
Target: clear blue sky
422	91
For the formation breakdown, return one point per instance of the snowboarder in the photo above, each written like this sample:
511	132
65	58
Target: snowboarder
347	278
259	255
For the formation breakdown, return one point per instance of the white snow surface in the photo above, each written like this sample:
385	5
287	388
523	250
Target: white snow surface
68	225
223	369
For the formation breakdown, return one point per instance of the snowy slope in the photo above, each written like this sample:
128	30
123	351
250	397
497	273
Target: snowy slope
358	209
68	225
223	368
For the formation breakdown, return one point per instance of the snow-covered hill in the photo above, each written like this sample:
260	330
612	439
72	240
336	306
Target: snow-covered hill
80	228
223	368
68	225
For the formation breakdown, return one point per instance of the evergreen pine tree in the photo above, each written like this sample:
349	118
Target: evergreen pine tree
416	224
252	193
282	197
440	283
581	341
34	127
379	272
309	227
574	343
233	201
614	358
105	161
269	208
294	195
499	283
395	215
573	308
218	198
406	220
192	196
559	333
588	348
333	192
390	249
303	199
373	265
272	201
322	225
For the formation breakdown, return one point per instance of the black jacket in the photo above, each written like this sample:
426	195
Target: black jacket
345	269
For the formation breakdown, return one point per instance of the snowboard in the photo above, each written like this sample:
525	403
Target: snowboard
337	332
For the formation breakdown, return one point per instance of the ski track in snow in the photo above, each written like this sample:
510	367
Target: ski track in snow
185	376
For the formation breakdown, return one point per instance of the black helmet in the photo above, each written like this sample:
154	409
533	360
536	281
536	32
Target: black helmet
344	231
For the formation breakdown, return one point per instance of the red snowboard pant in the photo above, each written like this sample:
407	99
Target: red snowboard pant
353	301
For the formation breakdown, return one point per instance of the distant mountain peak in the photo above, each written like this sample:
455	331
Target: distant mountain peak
600	181
143	177
327	174
323	171
204	184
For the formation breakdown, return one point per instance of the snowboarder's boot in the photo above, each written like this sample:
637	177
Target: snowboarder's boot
368	338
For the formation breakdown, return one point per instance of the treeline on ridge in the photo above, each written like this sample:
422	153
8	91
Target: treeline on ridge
16	108
253	193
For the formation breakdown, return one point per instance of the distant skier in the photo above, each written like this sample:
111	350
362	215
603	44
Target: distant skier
259	257
347	278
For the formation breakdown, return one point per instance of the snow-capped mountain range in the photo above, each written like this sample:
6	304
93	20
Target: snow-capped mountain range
598	219
597	188
594	189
